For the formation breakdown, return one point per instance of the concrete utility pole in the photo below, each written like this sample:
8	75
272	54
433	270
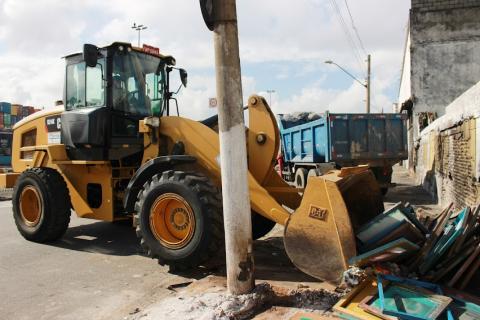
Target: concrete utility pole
221	15
369	61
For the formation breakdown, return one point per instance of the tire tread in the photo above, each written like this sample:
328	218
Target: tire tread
56	199
208	195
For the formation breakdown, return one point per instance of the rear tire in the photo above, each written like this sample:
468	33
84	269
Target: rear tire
261	225
41	205
179	219
301	178
312	173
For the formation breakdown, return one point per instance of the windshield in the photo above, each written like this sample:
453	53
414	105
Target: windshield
137	89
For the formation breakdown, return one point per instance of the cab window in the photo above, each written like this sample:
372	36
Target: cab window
95	95
75	86
85	86
137	90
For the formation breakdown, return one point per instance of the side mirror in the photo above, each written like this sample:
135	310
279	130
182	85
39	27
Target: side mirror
90	55
208	13
183	76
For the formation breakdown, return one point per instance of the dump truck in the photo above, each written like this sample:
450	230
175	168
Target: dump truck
313	144
116	151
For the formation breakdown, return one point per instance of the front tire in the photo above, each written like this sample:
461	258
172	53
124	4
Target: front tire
41	205
179	219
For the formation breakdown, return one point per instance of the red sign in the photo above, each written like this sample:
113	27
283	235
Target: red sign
151	50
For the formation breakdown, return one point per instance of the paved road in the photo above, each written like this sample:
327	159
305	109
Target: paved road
97	271
94	272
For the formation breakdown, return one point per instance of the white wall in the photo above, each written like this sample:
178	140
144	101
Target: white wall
405	91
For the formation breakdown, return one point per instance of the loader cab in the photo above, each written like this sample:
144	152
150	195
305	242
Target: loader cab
107	91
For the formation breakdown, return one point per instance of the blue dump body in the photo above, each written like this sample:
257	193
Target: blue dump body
345	139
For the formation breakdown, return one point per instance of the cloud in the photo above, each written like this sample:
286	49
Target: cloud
317	99
34	35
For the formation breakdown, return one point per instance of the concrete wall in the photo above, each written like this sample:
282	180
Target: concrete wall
441	59
447	154
429	5
405	93
445	60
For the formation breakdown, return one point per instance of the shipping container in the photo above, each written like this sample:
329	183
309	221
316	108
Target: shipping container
25	111
5	107
16	109
5	148
314	143
7	122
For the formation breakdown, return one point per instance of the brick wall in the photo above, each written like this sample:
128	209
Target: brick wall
431	5
446	165
456	165
447	154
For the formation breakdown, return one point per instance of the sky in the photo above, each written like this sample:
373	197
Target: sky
283	47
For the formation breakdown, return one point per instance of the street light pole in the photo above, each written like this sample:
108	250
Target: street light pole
369	60
139	28
364	84
270	91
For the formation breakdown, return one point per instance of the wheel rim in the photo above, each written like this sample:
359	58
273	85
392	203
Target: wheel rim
172	220
30	206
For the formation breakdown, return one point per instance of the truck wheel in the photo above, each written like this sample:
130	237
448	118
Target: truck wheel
301	178
312	173
261	225
179	219
384	191
41	205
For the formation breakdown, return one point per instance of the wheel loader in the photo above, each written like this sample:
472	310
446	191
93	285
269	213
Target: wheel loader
116	151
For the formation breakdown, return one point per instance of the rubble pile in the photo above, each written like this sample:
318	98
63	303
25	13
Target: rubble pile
415	268
221	305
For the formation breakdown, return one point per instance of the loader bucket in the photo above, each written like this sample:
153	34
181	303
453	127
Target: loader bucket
319	236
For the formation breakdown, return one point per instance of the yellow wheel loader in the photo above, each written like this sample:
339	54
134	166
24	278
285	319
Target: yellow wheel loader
114	152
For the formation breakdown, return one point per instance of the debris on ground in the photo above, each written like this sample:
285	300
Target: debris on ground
175	286
408	265
220	305
6	194
353	276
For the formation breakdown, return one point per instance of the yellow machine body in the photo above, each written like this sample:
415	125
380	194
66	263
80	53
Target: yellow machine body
319	233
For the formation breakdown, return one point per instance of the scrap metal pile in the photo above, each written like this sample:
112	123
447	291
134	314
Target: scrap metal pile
416	268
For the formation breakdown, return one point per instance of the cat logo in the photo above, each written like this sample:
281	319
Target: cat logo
318	213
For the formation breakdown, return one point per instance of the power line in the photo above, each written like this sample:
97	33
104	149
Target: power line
355	28
347	33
